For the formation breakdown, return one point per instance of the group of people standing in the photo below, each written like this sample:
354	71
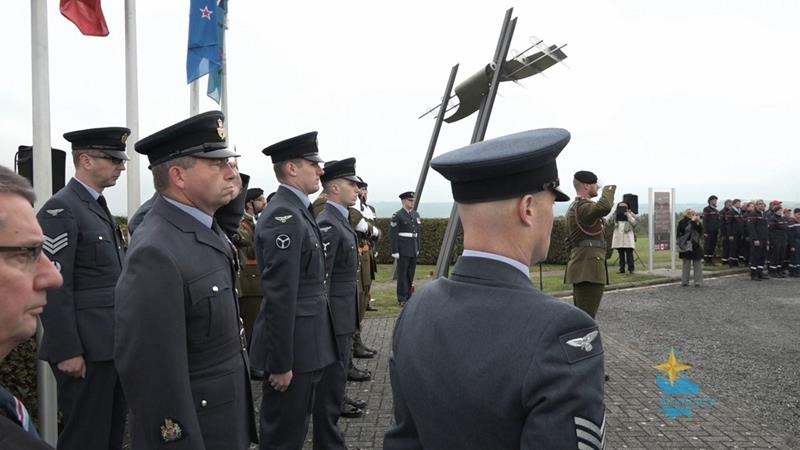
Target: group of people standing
755	234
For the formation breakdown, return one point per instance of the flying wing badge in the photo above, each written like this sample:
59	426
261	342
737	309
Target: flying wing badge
283	219
325	229
55	212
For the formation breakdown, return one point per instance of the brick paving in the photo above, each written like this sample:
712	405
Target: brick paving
635	420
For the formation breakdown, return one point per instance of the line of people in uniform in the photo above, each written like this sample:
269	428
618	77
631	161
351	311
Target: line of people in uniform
754	234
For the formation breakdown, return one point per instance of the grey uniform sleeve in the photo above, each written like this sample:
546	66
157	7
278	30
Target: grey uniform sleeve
60	230
563	392
150	347
330	244
280	246
393	230
403	435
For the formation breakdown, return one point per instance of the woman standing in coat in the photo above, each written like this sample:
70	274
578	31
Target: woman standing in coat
690	229
624	239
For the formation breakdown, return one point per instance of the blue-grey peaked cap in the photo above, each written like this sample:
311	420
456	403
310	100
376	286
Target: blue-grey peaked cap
505	167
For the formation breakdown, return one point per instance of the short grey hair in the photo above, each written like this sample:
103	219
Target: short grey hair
11	183
161	171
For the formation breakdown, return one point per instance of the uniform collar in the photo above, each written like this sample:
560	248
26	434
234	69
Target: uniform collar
495	257
200	216
91	191
300	194
344	212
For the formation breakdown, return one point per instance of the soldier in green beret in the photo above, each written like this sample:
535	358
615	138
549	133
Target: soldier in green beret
586	269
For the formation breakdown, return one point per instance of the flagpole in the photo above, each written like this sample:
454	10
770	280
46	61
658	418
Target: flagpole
224	76
43	185
194	98
132	107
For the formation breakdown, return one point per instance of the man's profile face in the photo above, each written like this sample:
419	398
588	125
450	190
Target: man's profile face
592	189
408	203
349	192
713	202
24	280
259	204
210	184
307	175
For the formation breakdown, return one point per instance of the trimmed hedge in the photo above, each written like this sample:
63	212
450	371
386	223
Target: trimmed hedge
18	374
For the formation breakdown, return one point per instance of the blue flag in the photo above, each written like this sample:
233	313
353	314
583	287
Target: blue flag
215	76
205	47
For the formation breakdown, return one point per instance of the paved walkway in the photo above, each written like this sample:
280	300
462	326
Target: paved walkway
633	398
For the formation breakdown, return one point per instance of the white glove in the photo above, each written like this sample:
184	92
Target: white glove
600	184
362	226
376	232
396	255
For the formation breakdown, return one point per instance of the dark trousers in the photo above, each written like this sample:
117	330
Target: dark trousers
330	397
777	253
94	408
284	415
757	256
710	246
733	249
406	266
587	296
248	308
625	257
725	248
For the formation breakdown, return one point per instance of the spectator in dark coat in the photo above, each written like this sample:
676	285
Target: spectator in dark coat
690	229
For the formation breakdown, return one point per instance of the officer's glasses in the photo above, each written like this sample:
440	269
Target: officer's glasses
115	161
25	256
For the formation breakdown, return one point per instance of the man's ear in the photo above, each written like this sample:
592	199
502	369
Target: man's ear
525	208
178	176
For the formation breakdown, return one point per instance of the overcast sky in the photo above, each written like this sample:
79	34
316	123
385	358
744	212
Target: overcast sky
697	95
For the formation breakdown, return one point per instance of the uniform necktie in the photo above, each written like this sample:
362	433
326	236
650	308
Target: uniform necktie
102	201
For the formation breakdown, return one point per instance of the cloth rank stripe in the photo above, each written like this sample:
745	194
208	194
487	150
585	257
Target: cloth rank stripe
56	244
590	436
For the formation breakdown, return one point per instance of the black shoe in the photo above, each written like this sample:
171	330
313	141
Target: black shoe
361	352
607	377
351	412
780	275
358	343
371	308
763	276
358	403
355	374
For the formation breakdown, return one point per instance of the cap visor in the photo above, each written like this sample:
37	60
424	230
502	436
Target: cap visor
560	195
314	158
117	154
216	154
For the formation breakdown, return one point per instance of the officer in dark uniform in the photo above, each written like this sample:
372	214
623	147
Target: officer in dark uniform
83	240
778	238
723	231
404	237
793	226
711	229
363	219
758	233
293	337
25	277
587	270
339	242
460	378
179	346
735	230
250	276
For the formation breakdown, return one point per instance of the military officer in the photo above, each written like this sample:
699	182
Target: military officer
179	346
457	367
405	237
250	276
339	242
363	219
735	229
723	231
293	337
710	230
586	269
776	223
758	233
83	240
25	276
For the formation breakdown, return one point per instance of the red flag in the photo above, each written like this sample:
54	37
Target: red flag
86	15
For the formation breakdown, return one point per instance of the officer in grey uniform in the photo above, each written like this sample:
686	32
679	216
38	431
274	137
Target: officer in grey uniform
179	344
84	242
340	244
404	237
293	337
484	360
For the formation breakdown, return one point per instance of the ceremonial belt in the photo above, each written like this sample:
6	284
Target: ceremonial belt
408	235
591	243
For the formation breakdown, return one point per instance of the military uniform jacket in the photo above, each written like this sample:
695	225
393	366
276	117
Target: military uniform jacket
85	245
777	228
341	268
733	222
587	258
179	347
294	329
405	233
757	228
723	226
250	275
710	219
484	360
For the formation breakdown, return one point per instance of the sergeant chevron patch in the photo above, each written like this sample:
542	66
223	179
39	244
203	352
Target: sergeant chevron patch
56	244
590	435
